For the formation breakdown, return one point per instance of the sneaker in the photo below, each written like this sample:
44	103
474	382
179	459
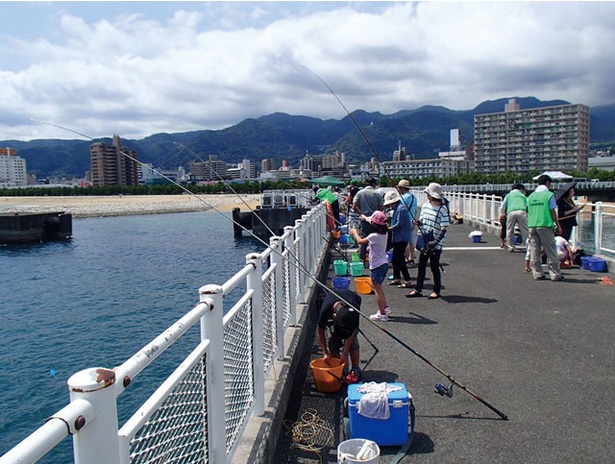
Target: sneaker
379	317
354	376
558	278
387	310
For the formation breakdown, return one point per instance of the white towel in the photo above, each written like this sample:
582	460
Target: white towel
374	404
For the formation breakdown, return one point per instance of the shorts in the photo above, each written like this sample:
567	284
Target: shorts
336	342
379	274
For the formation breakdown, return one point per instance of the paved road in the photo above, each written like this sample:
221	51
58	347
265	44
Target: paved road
541	352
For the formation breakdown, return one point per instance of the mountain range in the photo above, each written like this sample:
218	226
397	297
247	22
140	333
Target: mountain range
423	132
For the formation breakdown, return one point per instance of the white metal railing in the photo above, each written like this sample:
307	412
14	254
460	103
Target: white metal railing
198	414
595	232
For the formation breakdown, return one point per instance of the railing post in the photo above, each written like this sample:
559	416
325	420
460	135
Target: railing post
276	260
254	282
97	442
598	226
299	258
291	269
212	328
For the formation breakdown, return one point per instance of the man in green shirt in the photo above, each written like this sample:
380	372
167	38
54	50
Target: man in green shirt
541	219
514	207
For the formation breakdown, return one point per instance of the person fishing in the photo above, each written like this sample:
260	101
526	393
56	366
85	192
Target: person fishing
378	260
343	320
366	202
432	223
401	235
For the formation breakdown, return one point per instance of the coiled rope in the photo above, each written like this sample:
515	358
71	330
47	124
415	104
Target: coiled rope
310	433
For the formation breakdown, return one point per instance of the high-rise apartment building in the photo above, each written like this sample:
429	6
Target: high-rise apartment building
113	164
550	138
12	168
211	169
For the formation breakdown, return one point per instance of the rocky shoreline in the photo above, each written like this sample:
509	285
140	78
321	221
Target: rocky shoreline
123	205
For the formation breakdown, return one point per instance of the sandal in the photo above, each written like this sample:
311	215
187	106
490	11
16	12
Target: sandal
407	284
414	294
433	296
394	282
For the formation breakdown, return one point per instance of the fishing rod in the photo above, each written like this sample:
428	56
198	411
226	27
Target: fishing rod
299	265
387	332
371	146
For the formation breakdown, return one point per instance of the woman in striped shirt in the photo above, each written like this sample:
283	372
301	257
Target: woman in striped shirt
434	218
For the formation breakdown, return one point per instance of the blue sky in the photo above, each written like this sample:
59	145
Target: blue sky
139	68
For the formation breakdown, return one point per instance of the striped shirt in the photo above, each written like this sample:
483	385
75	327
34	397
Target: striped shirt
433	218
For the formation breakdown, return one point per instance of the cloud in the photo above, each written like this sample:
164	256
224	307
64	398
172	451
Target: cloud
169	67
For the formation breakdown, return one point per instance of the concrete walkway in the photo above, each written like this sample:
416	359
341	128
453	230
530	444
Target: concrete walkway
541	352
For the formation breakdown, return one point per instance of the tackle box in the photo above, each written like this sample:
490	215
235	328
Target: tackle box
386	432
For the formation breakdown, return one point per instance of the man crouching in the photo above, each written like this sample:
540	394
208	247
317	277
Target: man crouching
343	320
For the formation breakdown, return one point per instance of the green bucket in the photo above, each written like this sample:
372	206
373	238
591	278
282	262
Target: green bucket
340	267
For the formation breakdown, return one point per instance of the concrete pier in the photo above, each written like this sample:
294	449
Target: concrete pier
541	352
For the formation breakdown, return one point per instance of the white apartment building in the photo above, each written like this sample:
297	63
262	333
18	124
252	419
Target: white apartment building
439	167
550	138
12	169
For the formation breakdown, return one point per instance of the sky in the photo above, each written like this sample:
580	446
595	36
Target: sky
142	68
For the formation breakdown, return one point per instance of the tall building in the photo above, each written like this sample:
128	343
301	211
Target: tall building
12	168
113	164
550	138
267	164
212	169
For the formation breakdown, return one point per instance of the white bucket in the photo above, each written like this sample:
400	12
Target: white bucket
358	450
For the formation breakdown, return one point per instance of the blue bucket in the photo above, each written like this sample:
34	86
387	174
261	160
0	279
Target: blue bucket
597	265
585	262
341	282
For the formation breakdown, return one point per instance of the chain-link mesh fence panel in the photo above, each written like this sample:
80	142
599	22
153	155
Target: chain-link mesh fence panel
238	372
177	431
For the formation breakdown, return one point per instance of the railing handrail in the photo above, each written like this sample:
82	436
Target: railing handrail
274	286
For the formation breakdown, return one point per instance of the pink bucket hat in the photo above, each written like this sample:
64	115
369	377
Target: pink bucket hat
378	217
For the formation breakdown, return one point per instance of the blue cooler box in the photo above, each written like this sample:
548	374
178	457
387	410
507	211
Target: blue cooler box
390	432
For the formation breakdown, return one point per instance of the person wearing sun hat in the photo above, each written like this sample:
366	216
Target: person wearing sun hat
378	260
401	233
408	198
433	221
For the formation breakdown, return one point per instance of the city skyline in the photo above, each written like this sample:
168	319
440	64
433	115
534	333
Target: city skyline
140	68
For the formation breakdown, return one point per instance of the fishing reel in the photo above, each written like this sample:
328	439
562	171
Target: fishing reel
443	390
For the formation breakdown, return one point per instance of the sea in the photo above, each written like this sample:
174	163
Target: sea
97	299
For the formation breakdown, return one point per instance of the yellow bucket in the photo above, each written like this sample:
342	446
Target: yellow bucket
364	285
327	377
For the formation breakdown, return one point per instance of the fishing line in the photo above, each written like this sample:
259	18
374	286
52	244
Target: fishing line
299	265
369	143
405	345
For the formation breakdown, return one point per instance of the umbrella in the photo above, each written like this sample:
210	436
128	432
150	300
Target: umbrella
328	180
563	190
555	175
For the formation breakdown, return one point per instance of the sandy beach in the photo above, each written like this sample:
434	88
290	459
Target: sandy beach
122	205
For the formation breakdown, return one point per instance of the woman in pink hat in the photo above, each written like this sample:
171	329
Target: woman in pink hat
378	259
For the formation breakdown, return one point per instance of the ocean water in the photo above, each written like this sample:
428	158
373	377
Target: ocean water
96	300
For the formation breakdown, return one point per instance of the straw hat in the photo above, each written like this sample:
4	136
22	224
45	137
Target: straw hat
391	197
404	183
434	190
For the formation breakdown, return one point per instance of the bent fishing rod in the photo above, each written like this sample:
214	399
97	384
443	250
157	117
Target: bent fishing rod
387	332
